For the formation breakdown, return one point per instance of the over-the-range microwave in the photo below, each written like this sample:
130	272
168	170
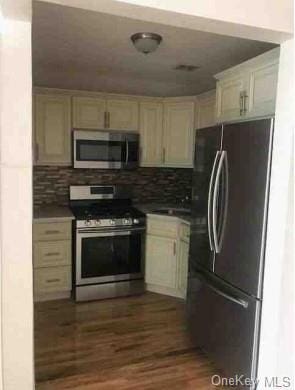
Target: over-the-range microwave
105	149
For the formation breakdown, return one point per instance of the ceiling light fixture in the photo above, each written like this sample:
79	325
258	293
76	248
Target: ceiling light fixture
146	42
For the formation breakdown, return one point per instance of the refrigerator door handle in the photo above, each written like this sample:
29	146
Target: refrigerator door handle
231	298
218	291
225	206
218	243
209	208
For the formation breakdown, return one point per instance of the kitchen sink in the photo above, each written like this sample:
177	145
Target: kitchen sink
173	211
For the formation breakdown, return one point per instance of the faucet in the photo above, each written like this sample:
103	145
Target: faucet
185	200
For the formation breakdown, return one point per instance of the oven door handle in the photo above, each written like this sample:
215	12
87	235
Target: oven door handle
99	233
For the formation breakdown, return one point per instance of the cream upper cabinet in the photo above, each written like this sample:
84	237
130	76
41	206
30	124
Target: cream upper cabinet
229	98
151	133
161	261
263	90
122	114
89	112
178	136
248	90
52	130
205	110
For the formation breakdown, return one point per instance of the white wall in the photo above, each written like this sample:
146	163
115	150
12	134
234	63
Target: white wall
265	20
276	344
16	195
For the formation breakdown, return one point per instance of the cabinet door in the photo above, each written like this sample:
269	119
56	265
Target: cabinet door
228	95
89	113
53	130
122	114
160	262
178	140
205	112
151	133
182	266
263	90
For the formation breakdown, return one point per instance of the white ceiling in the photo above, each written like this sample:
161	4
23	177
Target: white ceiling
78	49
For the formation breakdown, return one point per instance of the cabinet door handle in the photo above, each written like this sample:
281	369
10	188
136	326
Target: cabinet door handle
174	248
37	152
140	154
164	154
245	97
105	120
108	119
52	232
52	254
241	103
52	280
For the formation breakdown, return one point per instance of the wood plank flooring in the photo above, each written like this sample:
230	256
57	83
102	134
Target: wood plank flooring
125	343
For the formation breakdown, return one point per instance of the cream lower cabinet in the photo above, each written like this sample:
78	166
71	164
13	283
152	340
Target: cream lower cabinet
52	260
248	90
52	130
166	260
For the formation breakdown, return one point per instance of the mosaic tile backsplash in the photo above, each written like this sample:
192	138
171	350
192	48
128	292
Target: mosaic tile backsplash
157	185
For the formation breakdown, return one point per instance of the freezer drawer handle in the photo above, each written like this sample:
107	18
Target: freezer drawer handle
210	201
239	301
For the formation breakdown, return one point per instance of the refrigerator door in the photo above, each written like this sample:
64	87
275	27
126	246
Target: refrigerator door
207	153
247	150
224	323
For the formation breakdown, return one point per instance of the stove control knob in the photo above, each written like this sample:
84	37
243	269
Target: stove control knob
97	222
87	223
126	221
112	222
136	221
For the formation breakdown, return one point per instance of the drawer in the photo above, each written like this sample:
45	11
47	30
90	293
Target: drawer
52	253
184	232
53	279
162	227
52	231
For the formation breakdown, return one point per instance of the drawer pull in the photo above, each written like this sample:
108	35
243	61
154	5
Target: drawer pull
52	280
52	231
52	254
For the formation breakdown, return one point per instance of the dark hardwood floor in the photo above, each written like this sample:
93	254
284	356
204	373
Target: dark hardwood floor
125	343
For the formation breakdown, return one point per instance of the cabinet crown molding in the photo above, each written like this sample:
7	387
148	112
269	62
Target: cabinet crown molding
271	56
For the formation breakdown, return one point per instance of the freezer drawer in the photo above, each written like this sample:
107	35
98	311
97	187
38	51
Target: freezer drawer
224	323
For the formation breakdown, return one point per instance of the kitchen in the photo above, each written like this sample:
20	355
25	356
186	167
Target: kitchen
161	186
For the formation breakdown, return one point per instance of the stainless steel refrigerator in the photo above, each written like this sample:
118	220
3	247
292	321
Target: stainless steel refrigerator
229	217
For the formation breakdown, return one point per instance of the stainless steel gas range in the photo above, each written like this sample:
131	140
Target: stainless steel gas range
109	238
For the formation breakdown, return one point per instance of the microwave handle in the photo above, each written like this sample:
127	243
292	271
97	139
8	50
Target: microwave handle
127	151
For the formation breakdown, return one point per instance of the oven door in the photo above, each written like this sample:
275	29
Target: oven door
109	256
